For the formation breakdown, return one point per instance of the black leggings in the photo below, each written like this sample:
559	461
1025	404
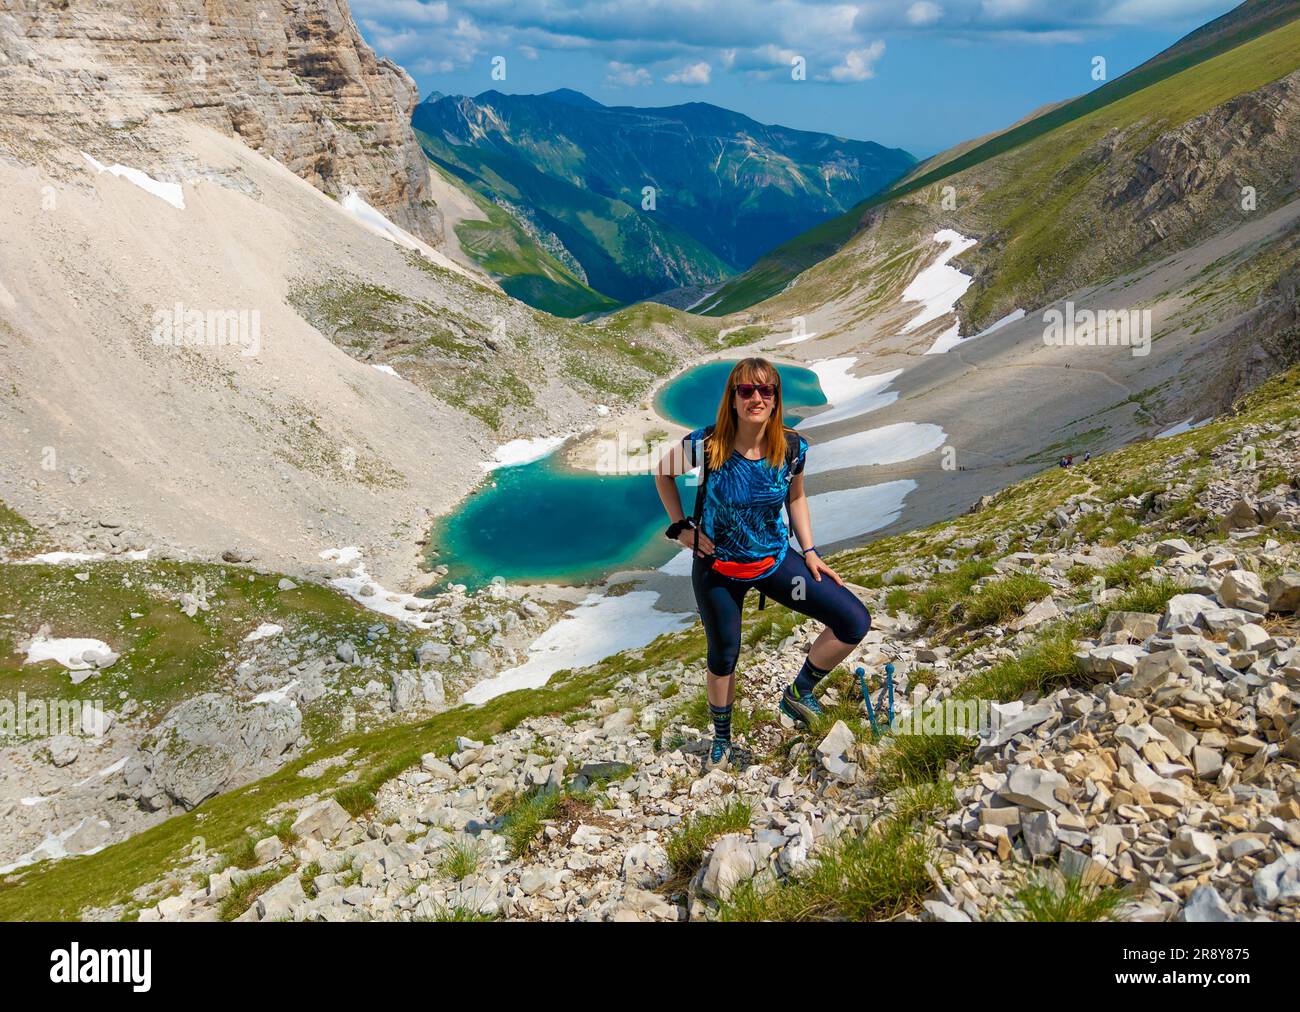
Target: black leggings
720	599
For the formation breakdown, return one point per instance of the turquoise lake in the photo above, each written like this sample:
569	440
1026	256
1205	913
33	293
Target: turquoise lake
541	522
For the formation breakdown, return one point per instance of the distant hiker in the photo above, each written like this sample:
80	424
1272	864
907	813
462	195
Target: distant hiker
1061	463
751	465
1087	456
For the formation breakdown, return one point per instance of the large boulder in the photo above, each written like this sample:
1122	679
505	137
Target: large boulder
1284	593
1245	590
322	821
211	744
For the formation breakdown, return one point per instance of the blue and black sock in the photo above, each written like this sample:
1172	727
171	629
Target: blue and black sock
721	721
807	678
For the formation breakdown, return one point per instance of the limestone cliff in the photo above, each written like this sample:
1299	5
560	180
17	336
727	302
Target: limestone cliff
291	78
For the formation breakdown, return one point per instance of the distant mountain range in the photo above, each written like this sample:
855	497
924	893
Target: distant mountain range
634	202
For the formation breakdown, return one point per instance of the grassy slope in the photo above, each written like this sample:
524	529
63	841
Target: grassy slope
524	268
1041	202
17	536
62	889
166	655
1175	69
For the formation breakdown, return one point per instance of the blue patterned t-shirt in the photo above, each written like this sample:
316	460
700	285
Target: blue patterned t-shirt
742	514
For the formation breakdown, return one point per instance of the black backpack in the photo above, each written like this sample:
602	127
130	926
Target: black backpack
791	454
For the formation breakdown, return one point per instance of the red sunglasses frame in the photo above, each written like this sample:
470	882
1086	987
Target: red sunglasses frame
774	388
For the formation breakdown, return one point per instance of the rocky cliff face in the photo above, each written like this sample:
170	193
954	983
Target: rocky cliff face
1204	167
292	78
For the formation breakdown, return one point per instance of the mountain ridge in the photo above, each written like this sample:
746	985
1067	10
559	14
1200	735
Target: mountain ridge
686	178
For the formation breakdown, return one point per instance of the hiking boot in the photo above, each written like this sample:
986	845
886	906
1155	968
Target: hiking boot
719	756
802	709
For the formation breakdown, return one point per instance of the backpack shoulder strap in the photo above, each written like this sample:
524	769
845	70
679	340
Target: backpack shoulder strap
704	476
791	446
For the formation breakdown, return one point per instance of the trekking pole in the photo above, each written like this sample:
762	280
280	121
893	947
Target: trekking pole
888	688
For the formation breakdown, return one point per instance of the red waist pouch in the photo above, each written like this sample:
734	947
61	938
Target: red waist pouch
743	570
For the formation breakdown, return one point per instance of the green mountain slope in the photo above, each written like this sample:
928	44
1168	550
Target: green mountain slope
1159	171
1249	22
520	261
626	254
725	188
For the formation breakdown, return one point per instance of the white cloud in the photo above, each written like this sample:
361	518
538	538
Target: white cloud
624	75
924	13
859	64
411	12
675	39
694	74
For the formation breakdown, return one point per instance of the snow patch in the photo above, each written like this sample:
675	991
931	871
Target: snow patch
522	451
951	337
63	651
798	338
385	602
838	516
375	222
284	695
889	444
1011	317
939	286
1186	425
386	368
849	395
107	771
51	848
598	627
264	631
65	558
170	192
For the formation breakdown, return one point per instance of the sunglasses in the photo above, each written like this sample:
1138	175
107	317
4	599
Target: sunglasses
765	390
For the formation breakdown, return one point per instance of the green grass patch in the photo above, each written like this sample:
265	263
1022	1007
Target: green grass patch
1045	665
692	838
243	893
868	877
524	822
1050	896
1004	599
461	858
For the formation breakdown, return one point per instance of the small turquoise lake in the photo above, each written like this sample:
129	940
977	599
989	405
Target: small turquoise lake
544	523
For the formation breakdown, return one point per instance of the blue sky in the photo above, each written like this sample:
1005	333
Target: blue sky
916	74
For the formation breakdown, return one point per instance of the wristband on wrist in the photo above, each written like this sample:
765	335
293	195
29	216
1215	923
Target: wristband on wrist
807	550
675	529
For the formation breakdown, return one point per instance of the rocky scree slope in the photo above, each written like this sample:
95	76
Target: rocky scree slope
209	677
1132	622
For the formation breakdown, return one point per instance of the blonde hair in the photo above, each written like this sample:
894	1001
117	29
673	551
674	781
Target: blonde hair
722	442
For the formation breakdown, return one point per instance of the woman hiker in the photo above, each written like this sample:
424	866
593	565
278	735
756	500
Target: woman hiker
752	466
